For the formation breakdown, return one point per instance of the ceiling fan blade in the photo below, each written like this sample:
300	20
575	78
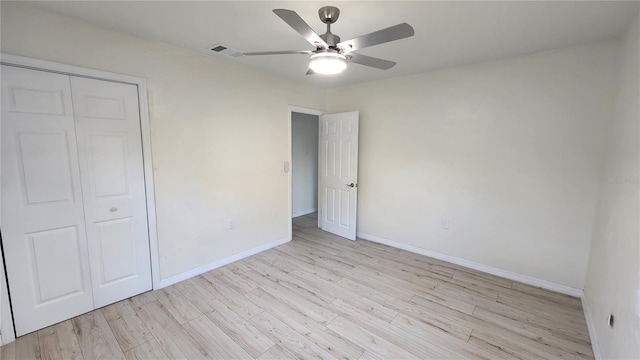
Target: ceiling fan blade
306	52
371	61
296	22
396	32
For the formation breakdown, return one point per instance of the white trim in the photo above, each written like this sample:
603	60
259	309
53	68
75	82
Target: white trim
145	128
222	262
591	327
141	83
303	212
6	318
301	110
530	280
50	66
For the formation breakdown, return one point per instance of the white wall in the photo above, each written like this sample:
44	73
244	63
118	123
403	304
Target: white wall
218	133
508	151
304	163
613	278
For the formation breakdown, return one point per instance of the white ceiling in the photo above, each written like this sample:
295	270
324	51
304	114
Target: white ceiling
447	33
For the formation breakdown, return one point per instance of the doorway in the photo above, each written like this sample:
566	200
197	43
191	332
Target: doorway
304	164
337	170
302	119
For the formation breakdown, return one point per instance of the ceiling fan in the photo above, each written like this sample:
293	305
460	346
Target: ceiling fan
332	55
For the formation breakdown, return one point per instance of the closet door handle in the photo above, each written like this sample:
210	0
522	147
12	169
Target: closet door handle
113	209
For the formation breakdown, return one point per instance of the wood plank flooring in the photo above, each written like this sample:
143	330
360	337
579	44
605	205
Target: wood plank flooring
321	296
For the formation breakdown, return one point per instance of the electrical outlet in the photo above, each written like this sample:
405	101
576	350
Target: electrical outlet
231	224
445	224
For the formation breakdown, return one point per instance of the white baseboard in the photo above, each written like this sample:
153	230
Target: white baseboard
530	280
593	335
303	212
219	263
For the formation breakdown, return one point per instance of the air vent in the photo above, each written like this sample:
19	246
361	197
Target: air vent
225	50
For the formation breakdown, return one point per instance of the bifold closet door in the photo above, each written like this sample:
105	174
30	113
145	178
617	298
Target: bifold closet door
107	122
43	227
74	219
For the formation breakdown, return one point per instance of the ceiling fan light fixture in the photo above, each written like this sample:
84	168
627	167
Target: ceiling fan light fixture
327	63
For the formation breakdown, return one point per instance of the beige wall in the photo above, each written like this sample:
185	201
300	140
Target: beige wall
218	133
508	151
613	278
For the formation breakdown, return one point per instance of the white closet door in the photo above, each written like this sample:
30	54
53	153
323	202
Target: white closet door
110	152
43	227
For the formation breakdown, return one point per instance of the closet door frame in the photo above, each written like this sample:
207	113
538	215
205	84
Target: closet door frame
6	319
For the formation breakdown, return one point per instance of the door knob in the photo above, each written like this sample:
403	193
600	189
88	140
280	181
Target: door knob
113	209
351	185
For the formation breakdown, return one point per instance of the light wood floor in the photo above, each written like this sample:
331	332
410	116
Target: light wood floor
321	296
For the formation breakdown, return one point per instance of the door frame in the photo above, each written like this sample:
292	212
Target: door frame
6	317
308	111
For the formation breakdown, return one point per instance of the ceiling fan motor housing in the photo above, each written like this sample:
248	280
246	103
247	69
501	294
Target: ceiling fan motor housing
331	39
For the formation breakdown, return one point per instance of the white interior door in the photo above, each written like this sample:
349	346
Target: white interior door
111	169
43	223
339	173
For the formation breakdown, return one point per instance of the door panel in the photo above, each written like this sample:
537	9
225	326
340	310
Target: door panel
338	169
44	152
103	107
345	161
54	256
345	209
330	157
329	213
33	100
115	239
111	169
108	164
43	224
